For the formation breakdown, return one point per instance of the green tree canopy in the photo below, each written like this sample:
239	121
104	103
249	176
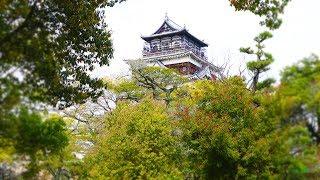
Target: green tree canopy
35	137
47	49
299	94
138	144
231	137
211	129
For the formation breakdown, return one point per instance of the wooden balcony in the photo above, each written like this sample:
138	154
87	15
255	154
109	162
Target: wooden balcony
162	51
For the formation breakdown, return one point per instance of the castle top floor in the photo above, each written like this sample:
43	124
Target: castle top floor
171	38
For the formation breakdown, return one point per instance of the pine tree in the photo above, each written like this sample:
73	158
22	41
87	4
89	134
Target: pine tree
262	62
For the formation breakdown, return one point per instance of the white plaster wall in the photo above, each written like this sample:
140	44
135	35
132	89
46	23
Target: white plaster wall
177	61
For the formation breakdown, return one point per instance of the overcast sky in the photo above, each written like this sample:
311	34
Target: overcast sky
215	22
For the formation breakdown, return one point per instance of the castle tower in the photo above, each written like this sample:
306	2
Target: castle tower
172	46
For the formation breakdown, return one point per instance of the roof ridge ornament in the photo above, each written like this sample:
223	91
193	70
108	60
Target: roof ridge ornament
166	18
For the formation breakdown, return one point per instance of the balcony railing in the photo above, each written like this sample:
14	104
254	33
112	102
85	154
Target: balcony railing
147	52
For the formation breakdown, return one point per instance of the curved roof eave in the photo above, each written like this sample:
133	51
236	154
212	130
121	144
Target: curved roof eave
183	31
174	30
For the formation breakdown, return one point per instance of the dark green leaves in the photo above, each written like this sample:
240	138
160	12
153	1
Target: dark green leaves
263	36
261	65
113	2
54	44
247	50
35	134
265	83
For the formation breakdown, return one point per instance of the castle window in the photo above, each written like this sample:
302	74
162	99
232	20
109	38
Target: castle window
176	43
165	45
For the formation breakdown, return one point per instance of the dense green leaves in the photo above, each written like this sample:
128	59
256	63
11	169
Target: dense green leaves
35	137
137	144
162	125
47	50
265	83
51	45
299	94
35	134
210	130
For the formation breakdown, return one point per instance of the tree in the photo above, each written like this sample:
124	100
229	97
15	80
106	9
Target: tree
159	82
48	48
262	62
212	129
227	137
38	138
137	143
299	95
269	10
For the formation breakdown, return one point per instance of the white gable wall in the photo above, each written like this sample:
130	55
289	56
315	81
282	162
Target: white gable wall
178	60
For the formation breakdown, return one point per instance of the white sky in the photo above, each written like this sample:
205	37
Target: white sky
216	22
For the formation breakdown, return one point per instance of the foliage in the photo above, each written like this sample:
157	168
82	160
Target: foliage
162	126
270	10
113	2
62	165
34	134
262	62
37	138
127	90
212	129
157	82
227	136
48	48
137	144
299	94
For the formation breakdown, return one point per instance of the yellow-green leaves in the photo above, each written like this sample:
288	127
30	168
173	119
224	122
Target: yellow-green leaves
139	144
211	129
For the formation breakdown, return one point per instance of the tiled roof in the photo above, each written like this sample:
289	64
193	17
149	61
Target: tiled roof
170	28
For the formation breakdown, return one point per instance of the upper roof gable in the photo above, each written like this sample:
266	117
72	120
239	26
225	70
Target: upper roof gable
168	26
